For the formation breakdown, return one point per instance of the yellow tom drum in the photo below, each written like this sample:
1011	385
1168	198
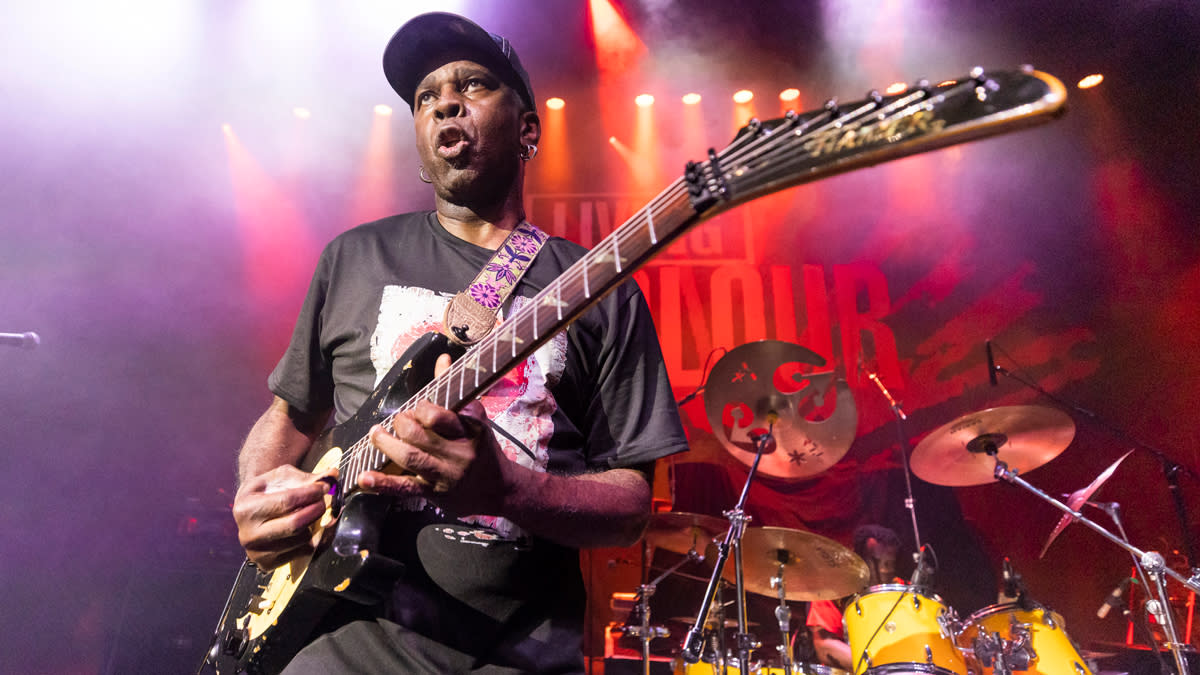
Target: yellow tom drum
1033	640
895	629
704	668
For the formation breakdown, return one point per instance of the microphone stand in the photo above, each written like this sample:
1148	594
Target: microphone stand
733	541
1153	563
909	503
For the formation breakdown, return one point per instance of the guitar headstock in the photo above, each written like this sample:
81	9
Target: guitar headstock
803	147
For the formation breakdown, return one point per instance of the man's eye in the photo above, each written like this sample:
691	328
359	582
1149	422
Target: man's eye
474	83
424	97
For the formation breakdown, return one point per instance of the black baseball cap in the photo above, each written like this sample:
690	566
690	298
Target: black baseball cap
430	41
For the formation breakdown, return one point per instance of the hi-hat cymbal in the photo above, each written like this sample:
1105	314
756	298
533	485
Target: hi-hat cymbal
789	389
681	532
1023	436
814	567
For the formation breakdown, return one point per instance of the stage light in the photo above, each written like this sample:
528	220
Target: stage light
947	83
555	103
227	129
301	113
1091	81
896	88
743	96
644	100
612	140
691	99
789	94
383	109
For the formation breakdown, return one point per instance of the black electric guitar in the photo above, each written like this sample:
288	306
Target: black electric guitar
270	615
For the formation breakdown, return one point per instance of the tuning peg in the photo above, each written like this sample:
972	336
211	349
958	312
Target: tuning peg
832	106
875	96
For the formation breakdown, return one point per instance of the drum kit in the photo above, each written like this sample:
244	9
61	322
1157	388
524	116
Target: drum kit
762	396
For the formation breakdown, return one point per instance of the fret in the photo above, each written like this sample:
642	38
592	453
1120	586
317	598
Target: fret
558	297
495	339
583	262
460	384
513	340
616	251
650	226
535	322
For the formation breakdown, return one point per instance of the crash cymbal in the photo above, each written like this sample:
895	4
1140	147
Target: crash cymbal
679	531
814	567
1024	437
771	382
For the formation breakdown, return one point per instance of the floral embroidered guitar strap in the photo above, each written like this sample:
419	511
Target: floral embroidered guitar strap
471	314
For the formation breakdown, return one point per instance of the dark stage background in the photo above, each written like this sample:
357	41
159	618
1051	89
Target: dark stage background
162	260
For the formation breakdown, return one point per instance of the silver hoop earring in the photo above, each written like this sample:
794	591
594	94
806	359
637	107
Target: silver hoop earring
422	175
529	153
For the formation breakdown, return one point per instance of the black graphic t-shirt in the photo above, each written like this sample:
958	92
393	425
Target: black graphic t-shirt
594	397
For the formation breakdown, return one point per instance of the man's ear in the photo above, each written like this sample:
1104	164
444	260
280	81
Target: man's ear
531	128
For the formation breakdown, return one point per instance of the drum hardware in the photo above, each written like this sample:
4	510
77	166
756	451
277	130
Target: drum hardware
1151	562
759	398
732	541
1170	468
910	502
644	631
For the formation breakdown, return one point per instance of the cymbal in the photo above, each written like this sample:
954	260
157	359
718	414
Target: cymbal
790	389
679	531
814	567
1024	437
1078	498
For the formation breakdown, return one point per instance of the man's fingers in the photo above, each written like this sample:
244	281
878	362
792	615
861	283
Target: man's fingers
401	486
283	531
442	365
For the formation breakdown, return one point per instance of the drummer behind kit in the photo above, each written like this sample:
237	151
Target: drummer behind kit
896	628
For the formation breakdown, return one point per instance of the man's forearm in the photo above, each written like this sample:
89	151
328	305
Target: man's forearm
280	436
610	508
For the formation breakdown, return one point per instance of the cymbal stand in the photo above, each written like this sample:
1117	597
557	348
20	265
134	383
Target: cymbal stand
644	631
733	541
1171	469
1152	562
909	502
783	614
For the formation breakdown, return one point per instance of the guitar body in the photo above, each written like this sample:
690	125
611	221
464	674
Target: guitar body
271	615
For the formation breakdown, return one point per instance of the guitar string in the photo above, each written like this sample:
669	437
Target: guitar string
631	231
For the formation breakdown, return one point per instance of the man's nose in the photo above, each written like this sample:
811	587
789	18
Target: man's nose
449	104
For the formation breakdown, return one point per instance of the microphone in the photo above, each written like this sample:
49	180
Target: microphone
991	363
23	340
1009	580
921	568
1114	598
